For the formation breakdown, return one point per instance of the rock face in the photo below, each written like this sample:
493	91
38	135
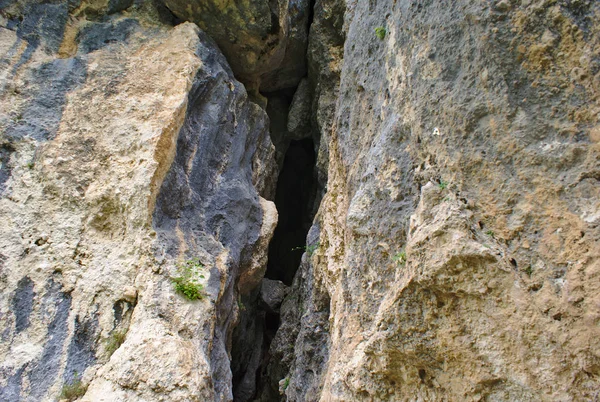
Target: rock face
455	249
264	40
459	236
137	153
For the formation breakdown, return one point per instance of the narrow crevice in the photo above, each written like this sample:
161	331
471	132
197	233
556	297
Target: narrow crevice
296	189
259	311
296	199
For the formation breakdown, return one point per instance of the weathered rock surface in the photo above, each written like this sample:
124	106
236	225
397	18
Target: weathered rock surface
299	113
264	41
272	293
459	237
455	254
139	151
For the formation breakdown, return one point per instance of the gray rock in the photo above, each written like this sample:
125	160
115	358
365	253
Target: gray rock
208	194
97	35
264	41
22	303
199	158
49	84
39	24
115	6
293	66
299	122
46	370
272	293
440	149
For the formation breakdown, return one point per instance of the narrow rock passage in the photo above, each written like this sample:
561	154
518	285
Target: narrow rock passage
259	312
296	189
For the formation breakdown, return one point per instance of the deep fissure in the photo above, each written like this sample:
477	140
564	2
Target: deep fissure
296	198
297	190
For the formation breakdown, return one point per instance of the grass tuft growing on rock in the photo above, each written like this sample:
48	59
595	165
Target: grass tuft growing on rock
187	282
115	340
73	390
310	249
400	257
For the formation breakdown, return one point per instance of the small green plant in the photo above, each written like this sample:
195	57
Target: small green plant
115	340
310	249
529	270
380	32
240	304
73	390
286	383
400	257
443	184
30	165
187	282
490	233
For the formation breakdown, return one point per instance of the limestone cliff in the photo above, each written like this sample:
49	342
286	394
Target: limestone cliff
382	200
133	153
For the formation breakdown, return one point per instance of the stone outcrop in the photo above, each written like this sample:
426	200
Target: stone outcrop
264	40
459	233
455	200
120	162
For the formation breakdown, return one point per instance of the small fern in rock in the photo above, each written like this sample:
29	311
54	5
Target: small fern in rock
187	281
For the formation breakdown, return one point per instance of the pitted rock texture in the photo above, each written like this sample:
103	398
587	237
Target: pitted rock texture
120	162
455	254
459	237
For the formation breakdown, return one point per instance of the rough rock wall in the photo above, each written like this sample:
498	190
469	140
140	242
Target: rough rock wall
455	252
459	237
263	40
127	147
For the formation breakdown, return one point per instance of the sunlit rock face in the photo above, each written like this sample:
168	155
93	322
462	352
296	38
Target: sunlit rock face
132	151
458	238
439	162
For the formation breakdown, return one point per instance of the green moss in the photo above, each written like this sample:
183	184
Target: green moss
115	340
380	32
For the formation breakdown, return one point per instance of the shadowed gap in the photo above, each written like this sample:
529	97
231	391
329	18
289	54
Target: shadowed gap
296	189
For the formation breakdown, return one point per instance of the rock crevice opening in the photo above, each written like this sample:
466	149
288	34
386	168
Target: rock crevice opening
295	197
